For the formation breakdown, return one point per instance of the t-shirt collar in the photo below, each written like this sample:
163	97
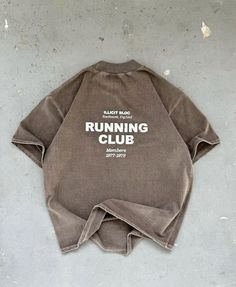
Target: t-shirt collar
122	67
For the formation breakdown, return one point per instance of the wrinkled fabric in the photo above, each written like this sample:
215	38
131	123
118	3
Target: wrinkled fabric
116	143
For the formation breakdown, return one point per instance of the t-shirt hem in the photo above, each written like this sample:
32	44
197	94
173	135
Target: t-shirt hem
166	244
73	247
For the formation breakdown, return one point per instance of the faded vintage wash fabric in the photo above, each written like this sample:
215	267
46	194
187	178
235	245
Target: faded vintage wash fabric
116	143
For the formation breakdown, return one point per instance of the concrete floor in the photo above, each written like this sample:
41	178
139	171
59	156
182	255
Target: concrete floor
42	43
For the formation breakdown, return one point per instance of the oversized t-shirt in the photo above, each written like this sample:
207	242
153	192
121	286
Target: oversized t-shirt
116	143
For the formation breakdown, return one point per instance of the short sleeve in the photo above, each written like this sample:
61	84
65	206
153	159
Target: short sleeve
37	130
193	126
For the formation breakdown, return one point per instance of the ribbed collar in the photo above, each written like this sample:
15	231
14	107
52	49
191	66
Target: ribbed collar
116	68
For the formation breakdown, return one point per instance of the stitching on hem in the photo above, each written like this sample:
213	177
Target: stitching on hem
123	251
164	244
198	140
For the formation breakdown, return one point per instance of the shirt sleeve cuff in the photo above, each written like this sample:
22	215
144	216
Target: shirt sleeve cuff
200	145
29	144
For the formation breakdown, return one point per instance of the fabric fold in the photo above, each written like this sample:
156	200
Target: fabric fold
199	146
121	233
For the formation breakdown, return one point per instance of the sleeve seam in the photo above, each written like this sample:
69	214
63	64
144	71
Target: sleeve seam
176	104
56	106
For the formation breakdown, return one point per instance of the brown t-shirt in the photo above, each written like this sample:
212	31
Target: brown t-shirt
116	143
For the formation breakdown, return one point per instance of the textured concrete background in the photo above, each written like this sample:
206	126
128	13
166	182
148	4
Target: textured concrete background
42	43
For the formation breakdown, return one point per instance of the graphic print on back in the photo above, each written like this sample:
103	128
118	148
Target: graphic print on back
112	134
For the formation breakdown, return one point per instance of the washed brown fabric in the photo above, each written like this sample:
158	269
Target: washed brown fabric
117	144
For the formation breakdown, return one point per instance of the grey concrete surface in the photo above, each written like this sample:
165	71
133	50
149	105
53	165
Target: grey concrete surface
42	43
